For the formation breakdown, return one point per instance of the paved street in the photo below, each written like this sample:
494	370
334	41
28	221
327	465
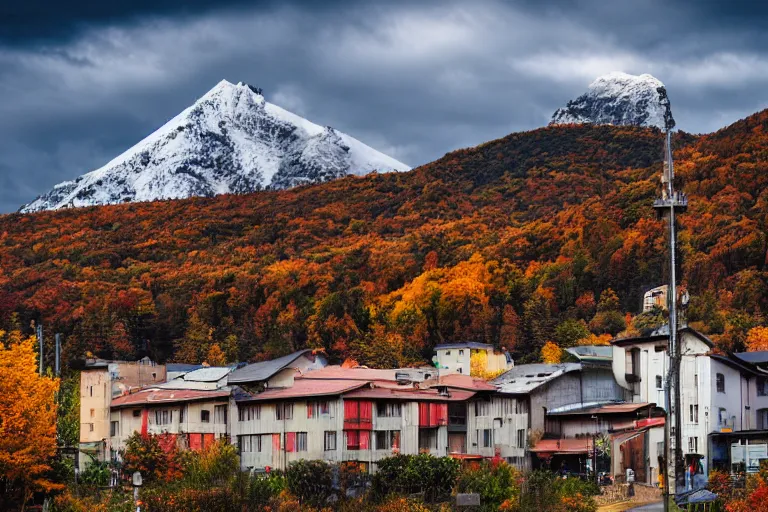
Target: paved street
653	507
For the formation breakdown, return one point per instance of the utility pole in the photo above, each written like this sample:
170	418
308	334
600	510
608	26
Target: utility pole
40	344
671	203
57	365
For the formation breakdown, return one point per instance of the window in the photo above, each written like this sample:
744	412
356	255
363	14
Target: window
427	439
693	444
301	441
696	381
136	413
249	413
461	352
205	416
90	427
447	352
482	408
693	413
114	428
91	390
249	443
720	379
457	413
521	438
317	409
220	414
181	414
163	417
284	411
722	416
387	439
353	439
330	441
659	382
460	370
521	406
485	438
389	409
762	419
762	390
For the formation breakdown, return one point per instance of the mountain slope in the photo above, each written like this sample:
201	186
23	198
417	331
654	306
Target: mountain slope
502	243
229	141
620	99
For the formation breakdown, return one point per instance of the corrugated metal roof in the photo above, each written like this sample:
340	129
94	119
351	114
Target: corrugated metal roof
411	394
211	374
303	388
159	396
264	370
527	377
616	408
596	352
182	367
462	381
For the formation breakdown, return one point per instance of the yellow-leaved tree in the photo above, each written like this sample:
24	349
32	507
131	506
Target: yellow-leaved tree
551	353
757	339
27	418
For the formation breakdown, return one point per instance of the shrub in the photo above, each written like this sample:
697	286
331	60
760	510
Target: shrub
496	482
96	473
219	499
399	504
146	455
216	465
310	481
431	476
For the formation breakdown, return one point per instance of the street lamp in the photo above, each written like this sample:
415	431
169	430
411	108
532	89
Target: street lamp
136	484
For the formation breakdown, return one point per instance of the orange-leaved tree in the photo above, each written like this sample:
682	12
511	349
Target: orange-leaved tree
27	418
757	339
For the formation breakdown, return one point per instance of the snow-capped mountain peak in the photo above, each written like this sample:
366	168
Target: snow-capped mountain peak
620	99
231	140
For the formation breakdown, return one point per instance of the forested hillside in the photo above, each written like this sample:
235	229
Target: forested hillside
515	242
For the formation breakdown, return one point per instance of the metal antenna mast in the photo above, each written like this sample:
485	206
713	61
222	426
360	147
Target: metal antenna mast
670	203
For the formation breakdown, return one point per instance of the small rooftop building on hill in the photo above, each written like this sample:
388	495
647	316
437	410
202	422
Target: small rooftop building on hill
457	357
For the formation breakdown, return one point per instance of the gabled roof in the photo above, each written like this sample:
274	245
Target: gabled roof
264	370
661	334
592	352
209	374
753	357
411	394
357	374
525	378
609	408
155	396
467	344
461	381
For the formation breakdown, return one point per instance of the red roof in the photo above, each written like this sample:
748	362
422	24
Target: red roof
161	396
305	388
563	446
460	381
455	395
650	422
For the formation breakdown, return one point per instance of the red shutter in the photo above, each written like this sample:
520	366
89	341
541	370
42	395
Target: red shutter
208	440
275	442
144	422
353	440
351	414
366	415
423	415
290	441
309	409
195	442
439	415
365	439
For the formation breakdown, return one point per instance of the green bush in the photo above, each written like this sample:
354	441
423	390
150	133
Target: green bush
496	482
216	465
310	481
433	477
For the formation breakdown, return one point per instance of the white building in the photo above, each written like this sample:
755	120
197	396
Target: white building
456	357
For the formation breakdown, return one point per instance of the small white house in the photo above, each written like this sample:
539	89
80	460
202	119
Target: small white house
456	357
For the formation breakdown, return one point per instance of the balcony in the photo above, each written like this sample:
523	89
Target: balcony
679	201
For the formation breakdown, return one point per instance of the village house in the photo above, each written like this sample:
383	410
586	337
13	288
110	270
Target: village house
457	358
723	398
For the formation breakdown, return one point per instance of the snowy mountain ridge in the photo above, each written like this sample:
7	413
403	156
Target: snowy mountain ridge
229	141
620	99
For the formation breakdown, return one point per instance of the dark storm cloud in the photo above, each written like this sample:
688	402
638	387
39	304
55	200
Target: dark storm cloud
82	83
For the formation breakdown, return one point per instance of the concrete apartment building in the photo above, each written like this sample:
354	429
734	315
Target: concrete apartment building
724	398
101	382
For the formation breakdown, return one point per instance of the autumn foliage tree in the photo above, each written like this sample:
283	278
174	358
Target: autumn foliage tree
27	420
757	339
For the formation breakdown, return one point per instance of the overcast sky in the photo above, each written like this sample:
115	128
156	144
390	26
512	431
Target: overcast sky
83	80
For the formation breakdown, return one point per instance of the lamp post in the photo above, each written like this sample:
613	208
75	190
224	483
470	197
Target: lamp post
136	479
